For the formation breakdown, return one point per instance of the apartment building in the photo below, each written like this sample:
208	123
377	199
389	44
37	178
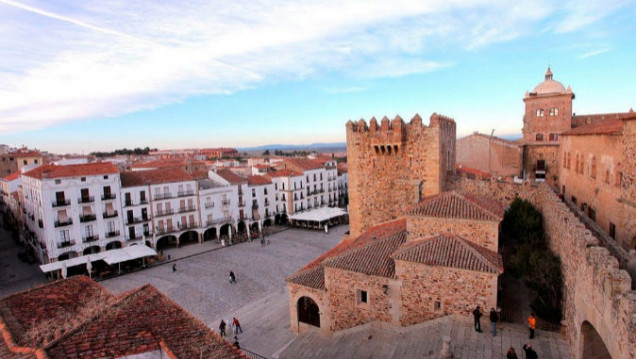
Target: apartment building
218	204
262	201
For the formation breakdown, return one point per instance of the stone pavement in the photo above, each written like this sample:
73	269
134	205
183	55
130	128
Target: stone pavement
15	275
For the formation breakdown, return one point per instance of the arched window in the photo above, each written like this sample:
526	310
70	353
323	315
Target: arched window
540	113
308	311
539	137
593	167
554	111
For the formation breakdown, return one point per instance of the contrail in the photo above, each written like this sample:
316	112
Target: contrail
66	19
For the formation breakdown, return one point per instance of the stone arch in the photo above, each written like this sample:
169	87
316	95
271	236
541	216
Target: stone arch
113	245
241	227
210	234
225	230
166	242
267	223
254	228
283	218
92	250
308	311
277	218
188	237
67	255
591	343
149	244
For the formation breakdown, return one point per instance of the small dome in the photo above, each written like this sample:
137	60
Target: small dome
549	85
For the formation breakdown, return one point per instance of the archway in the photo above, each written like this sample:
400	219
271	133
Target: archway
283	218
113	245
67	255
267	223
254	230
240	227
592	345
210	234
91	250
277	219
189	237
224	232
308	311
166	242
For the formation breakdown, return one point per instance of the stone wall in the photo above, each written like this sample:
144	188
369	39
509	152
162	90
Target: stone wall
458	291
548	153
492	155
628	180
392	165
320	297
483	233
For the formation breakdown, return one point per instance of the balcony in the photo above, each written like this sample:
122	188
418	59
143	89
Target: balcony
187	209
134	238
133	220
161	231
89	239
61	203
68	222
112	234
159	196
209	205
108	196
185	193
147	234
218	221
128	204
109	215
88	218
254	205
225	202
241	203
165	212
65	244
89	199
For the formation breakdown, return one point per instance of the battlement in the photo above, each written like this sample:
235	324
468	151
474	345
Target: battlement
397	125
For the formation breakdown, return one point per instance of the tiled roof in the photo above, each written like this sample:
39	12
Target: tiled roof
451	251
84	169
455	205
26	154
610	127
285	173
163	163
313	277
14	176
140	178
302	164
372	259
230	176
584	120
474	171
257	180
342	168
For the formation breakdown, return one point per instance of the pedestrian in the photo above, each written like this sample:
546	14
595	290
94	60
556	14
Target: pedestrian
477	315
237	326
511	354
232	278
532	324
236	343
174	267
494	318
262	242
222	327
530	353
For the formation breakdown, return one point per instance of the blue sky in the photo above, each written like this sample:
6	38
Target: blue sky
79	76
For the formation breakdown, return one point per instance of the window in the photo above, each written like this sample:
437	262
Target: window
612	230
253	192
25	162
607	176
57	181
619	176
540	113
593	167
88	231
573	199
65	236
276	186
437	306
554	111
35	162
553	137
105	176
83	179
110	225
539	137
362	297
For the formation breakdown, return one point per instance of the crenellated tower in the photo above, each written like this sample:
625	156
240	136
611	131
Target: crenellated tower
393	164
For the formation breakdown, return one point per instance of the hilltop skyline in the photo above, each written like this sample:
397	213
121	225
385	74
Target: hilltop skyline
91	76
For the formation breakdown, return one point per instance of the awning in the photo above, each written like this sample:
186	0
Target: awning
319	215
112	256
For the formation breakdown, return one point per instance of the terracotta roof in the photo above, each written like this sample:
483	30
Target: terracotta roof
257	180
610	127
12	177
474	171
451	251
230	176
455	205
372	259
141	178
313	277
302	164
342	168
584	120
163	163
285	173
84	169
26	154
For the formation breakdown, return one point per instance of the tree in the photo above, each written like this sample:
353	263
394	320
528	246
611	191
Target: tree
266	153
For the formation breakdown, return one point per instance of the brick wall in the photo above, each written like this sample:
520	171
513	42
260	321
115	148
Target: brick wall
496	156
481	232
318	296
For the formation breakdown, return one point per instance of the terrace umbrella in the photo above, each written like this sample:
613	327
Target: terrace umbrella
89	266
64	270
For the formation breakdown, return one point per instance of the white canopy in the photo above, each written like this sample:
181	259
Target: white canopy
110	257
319	215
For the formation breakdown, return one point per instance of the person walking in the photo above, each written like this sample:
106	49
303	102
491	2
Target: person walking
494	318
236	343
222	328
232	278
532	325
477	315
174	267
530	353
511	354
237	326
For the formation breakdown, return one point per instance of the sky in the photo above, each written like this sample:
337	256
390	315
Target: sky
90	75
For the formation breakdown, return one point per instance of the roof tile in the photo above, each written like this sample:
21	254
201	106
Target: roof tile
141	178
84	169
459	206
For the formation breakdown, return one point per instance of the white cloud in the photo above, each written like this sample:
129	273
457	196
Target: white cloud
92	58
594	53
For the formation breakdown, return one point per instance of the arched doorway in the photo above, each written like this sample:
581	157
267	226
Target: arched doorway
189	237
277	219
283	218
308	311
166	242
210	234
67	255
267	223
224	232
254	230
113	245
91	250
592	345
240	228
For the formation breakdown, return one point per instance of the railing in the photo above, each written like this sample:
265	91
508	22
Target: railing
61	203
166	230
134	220
254	205
65	244
109	215
63	223
148	234
165	212
88	218
112	234
209	205
219	220
252	355
241	203
131	203
108	196
128	204
185	193
143	201
164	195
134	238
89	239
89	199
187	209
225	202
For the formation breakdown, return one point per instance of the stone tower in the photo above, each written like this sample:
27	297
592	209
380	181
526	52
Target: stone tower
548	113
392	165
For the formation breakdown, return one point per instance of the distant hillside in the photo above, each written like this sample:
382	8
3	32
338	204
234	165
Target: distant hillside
321	147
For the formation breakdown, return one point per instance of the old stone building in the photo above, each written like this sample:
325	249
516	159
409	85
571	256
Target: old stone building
490	154
398	271
393	165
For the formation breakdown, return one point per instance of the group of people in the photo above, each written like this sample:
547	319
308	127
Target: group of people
494	318
235	327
